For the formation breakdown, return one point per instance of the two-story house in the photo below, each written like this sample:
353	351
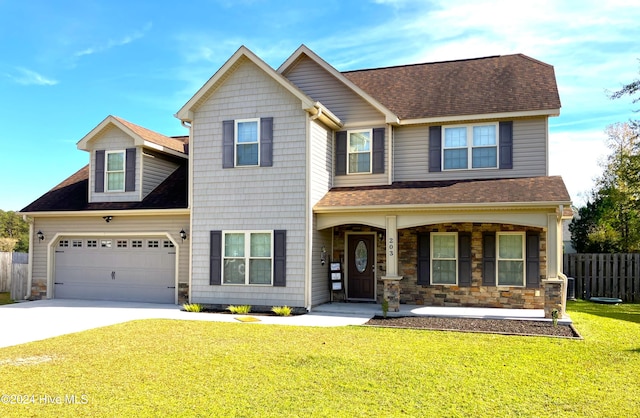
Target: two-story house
422	184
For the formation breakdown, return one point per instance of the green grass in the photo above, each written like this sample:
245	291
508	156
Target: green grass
5	298
191	368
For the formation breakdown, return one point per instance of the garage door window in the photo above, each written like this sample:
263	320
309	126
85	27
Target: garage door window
122	243
76	243
92	243
63	243
167	244
153	243
105	243
136	243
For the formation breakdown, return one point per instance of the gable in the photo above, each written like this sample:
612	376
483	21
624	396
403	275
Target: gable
322	86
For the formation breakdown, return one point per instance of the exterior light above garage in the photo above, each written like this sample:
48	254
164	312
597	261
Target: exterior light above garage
107	219
40	235
183	234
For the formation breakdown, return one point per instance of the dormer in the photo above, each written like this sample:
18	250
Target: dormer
128	161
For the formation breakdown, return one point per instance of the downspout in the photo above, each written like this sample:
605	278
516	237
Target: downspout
189	126
30	263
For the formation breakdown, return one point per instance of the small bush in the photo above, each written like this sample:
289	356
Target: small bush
281	310
240	309
192	307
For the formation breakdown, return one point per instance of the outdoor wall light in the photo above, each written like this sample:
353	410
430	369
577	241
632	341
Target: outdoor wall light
323	255
107	219
40	235
183	234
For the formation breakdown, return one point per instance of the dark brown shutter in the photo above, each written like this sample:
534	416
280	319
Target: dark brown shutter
506	145
489	259
279	258
99	172
266	142
228	154
424	256
464	259
378	150
435	149
341	153
130	173
215	258
533	259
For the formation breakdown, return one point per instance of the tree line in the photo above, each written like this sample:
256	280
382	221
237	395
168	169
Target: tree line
610	220
14	232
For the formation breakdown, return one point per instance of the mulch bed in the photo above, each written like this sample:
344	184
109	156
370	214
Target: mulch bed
492	326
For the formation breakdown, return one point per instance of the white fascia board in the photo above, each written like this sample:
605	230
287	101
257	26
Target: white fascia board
154	146
186	112
485	116
446	207
106	212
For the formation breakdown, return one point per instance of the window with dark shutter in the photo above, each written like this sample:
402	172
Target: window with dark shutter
424	254
341	153
215	258
378	150
435	149
279	258
464	259
99	172
130	174
228	154
266	142
533	259
506	145
489	259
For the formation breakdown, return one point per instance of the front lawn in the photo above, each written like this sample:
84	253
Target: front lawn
189	368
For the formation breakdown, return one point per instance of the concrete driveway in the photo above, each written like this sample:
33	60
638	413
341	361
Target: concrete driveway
38	320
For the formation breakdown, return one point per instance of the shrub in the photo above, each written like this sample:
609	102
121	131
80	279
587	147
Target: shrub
240	309
281	310
192	307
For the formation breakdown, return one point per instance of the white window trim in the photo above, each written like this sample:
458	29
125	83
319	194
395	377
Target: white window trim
524	259
107	172
247	257
470	146
370	152
236	143
432	258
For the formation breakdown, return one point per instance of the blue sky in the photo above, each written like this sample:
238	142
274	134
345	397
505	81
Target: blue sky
66	65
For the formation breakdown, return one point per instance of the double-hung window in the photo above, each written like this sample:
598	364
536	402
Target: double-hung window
467	147
115	171
247	258
359	150
247	142
444	258
511	258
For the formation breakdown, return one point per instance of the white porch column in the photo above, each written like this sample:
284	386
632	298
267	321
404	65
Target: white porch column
554	246
391	280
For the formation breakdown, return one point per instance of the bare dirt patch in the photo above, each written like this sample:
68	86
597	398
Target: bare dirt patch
493	326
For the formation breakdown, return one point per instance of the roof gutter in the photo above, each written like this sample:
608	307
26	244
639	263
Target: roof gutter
105	212
441	207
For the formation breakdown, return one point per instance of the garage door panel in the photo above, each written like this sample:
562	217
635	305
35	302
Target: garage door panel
141	274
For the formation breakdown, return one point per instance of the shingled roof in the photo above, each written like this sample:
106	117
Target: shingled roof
72	195
509	83
529	190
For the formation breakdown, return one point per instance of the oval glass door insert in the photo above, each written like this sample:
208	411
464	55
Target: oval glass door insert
361	257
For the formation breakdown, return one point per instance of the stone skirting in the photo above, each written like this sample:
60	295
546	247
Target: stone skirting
38	289
391	292
553	297
183	293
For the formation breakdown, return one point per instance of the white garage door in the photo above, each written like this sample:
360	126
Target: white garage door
121	269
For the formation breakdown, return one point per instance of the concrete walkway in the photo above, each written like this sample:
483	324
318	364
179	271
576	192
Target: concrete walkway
38	320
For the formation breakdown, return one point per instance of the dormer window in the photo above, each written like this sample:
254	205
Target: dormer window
115	171
359	151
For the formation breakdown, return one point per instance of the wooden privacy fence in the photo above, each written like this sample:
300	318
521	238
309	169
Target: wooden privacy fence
13	274
605	275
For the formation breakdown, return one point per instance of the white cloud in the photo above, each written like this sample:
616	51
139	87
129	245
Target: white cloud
28	77
112	43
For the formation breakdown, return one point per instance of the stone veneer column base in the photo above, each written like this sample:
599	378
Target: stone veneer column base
553	294
392	292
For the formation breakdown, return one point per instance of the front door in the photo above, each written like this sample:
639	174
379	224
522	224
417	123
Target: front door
361	267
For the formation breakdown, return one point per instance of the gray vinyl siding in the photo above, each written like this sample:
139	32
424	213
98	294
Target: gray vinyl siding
411	154
249	198
113	139
155	170
318	84
94	226
355	180
321	166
